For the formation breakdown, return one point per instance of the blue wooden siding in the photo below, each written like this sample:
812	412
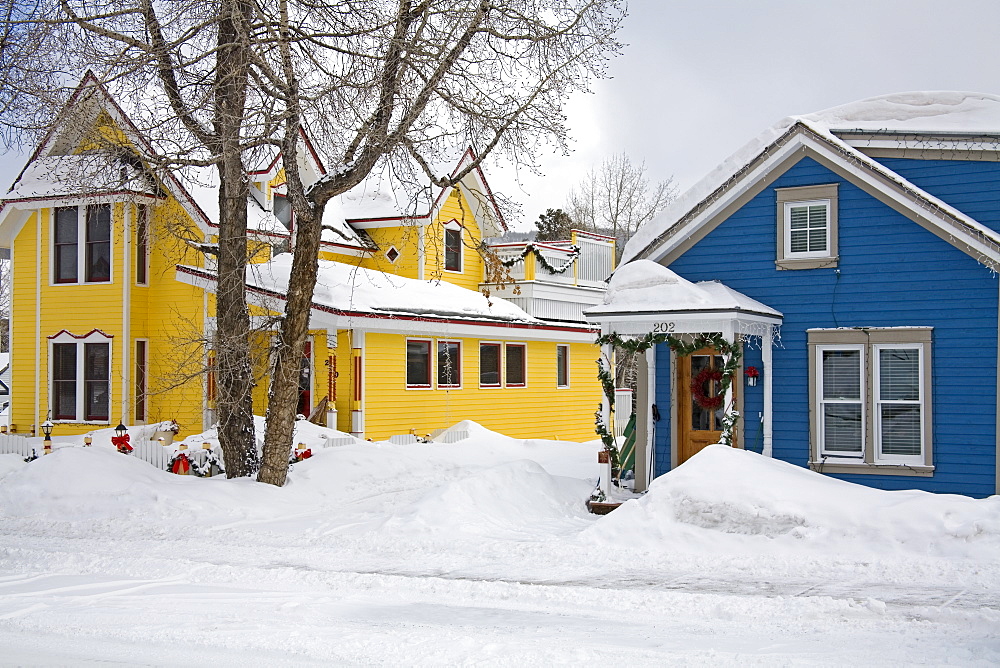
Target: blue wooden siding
891	273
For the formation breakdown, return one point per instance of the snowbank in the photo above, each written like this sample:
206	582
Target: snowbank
725	498
512	499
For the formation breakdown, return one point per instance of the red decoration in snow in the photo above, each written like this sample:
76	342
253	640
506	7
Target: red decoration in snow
121	442
299	455
180	464
698	392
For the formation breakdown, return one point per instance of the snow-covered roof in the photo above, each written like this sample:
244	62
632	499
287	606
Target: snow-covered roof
916	113
56	176
349	289
643	286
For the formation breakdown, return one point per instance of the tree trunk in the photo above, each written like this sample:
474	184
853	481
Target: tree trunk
234	372
283	395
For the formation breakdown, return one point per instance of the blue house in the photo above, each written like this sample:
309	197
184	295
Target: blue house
850	259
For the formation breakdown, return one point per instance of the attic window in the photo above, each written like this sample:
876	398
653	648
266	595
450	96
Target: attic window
807	227
392	254
453	246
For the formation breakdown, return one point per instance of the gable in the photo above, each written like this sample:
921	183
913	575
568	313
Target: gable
664	242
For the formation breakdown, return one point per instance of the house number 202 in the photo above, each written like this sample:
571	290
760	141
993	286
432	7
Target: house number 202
663	328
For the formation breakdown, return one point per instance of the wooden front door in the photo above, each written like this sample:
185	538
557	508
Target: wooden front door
698	426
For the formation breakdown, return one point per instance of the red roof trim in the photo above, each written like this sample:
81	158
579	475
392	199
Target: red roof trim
75	336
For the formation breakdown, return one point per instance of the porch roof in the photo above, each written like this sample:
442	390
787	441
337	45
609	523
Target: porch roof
643	292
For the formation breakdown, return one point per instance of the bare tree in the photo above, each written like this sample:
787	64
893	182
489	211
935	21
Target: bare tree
410	86
618	198
400	85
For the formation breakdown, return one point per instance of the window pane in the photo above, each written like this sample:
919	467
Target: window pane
900	430
841	374
562	366
64	381
842	428
140	380
448	363
817	239
489	364
418	362
283	211
899	374
453	250
515	365
701	417
798	217
66	226
96	373
99	243
66	245
141	244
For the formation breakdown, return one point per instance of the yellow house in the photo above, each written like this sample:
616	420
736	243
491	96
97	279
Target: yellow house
112	297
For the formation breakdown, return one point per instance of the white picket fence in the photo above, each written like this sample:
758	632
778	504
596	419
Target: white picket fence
13	444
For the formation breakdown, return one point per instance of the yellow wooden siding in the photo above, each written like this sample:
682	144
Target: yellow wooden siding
166	313
538	410
405	238
455	207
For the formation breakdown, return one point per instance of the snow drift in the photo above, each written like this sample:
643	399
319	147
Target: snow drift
725	498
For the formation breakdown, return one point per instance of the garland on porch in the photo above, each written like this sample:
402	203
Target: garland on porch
731	354
531	248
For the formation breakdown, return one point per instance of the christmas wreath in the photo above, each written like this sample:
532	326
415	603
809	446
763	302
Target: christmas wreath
698	386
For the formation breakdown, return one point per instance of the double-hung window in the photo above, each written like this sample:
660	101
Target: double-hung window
453	246
489	364
871	403
82	240
562	366
807	227
449	364
516	364
418	363
81	377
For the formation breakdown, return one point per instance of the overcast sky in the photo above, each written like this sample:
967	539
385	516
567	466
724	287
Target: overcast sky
699	78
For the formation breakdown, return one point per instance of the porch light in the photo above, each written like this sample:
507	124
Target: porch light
47	430
120	430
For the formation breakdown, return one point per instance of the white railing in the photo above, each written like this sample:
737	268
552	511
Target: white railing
12	444
597	258
623	409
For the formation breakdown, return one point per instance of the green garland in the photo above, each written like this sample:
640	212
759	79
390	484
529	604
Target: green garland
731	353
531	248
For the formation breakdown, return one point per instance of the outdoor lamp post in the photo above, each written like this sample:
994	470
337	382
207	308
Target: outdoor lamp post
47	430
120	439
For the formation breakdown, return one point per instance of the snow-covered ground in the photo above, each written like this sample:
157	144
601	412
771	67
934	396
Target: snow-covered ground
481	552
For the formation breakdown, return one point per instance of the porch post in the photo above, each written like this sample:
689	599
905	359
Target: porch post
728	400
768	344
358	383
607	352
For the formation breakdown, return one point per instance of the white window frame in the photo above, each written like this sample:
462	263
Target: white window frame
142	238
825	252
95	336
452	226
500	365
821	401
81	245
431	356
878	402
871	340
567	361
523	345
461	374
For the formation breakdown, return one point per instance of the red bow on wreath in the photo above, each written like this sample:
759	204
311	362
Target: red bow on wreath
698	389
121	442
